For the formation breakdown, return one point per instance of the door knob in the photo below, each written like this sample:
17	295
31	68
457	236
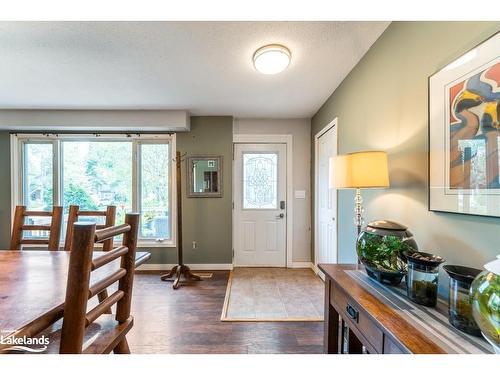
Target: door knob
280	216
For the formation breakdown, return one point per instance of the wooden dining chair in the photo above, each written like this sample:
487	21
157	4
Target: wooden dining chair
75	213
94	331
19	227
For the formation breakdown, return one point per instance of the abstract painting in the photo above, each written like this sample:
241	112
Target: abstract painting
464	131
475	131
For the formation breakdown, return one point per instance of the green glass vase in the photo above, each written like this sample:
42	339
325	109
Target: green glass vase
485	295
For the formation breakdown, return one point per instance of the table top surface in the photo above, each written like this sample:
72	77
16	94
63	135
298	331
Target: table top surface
32	283
420	329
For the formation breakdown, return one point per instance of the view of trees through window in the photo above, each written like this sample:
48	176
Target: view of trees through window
154	196
38	169
98	173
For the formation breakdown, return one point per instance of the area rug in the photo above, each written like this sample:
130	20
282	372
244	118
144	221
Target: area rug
273	295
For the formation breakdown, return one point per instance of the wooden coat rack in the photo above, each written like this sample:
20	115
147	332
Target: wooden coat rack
180	270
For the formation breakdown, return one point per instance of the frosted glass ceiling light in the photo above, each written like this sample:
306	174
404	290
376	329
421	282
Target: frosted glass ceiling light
271	59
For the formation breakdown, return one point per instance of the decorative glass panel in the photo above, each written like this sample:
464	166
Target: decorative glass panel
260	181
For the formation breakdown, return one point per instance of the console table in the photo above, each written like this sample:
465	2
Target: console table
380	319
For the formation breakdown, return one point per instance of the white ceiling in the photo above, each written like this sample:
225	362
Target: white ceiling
203	67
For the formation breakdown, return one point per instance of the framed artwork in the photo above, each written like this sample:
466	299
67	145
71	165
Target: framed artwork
464	133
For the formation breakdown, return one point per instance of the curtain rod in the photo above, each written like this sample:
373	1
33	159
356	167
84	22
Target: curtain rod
91	133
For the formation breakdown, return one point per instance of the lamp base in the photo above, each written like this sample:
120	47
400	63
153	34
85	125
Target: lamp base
358	213
358	210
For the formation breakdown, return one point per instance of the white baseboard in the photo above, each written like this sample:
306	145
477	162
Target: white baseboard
194	267
314	268
213	267
302	265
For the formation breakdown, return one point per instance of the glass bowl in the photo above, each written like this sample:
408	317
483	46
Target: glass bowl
380	248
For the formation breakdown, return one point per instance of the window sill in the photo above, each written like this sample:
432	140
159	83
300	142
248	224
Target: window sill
140	244
144	244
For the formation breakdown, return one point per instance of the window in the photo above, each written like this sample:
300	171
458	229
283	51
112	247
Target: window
154	166
37	171
37	183
133	173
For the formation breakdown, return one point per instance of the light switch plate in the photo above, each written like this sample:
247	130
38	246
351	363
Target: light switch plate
300	194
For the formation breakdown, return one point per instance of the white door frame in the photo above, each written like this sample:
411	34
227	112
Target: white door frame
274	138
316	192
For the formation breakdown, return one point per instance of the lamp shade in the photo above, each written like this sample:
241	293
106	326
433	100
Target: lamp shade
366	169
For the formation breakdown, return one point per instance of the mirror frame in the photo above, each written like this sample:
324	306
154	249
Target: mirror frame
189	175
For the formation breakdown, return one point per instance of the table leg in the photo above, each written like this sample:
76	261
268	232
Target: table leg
342	338
355	346
331	333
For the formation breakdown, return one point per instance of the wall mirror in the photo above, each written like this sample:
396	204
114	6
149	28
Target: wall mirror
204	176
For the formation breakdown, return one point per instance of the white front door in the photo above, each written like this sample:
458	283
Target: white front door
260	204
326	200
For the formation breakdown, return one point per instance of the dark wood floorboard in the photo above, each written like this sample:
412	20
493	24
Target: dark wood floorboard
187	320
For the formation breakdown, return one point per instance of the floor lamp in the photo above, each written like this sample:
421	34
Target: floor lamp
359	170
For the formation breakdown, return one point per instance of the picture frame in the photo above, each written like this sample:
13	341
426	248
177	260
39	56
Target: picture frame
464	133
204	176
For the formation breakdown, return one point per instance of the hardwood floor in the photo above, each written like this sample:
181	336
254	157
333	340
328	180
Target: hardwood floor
187	320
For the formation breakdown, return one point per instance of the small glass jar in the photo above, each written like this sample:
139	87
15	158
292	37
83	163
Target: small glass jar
422	277
459	300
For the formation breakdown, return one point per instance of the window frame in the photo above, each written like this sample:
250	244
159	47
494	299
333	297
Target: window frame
17	171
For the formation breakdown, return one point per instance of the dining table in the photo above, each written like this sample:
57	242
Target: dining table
33	288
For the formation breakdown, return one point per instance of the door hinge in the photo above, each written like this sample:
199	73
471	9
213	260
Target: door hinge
233	205
233	254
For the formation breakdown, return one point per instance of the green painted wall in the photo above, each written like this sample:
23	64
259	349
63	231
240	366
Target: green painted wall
205	220
382	104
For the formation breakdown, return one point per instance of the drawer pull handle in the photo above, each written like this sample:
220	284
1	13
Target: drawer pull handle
352	312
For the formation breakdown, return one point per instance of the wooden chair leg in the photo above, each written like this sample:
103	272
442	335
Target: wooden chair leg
122	347
101	297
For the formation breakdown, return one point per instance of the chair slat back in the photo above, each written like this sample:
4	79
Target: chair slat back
79	291
75	213
19	227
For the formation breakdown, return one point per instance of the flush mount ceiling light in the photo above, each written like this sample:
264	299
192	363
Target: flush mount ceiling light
271	59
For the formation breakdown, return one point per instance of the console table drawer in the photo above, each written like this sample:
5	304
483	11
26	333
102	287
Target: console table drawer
357	318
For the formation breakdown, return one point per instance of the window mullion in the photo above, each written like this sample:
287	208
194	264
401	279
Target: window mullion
136	167
57	173
21	175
